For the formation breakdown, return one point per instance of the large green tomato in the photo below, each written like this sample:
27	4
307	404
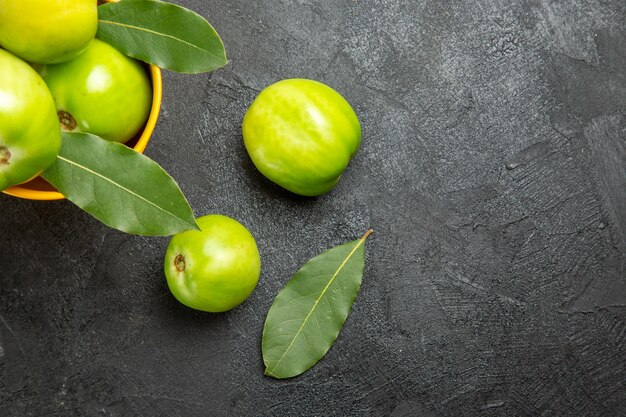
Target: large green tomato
30	137
47	31
301	134
214	269
102	92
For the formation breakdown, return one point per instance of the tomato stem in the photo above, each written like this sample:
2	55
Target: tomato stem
179	262
67	121
5	155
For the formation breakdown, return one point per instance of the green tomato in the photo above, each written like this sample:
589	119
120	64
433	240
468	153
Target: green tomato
47	31
301	134
102	92
214	269
30	137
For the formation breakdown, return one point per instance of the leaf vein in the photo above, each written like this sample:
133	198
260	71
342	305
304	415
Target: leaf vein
120	186
163	35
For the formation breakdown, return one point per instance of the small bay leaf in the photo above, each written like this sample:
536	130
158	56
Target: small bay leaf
308	313
163	34
119	186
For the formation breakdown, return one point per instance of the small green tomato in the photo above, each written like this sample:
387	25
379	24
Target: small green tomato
102	92
214	269
47	31
301	134
30	137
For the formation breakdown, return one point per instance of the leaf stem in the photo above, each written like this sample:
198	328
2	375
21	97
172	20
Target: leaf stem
366	234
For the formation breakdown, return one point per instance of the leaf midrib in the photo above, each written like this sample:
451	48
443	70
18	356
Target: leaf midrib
139	28
343	264
121	187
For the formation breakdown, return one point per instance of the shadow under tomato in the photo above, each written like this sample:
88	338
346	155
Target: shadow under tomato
269	188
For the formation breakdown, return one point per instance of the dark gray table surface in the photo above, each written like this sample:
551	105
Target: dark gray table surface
492	170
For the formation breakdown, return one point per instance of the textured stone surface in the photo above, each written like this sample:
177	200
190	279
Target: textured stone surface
492	169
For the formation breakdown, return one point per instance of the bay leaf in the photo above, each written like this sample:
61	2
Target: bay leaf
119	186
308	313
163	34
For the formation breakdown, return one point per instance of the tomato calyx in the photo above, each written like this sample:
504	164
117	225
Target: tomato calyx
67	121
5	155
179	263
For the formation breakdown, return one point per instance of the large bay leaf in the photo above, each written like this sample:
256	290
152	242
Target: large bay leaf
119	186
162	34
307	315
